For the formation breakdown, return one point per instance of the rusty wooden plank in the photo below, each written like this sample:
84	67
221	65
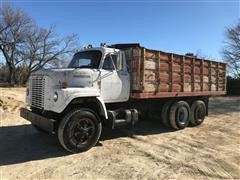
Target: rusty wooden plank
159	64
175	94
150	65
210	75
158	71
225	79
171	73
217	80
139	70
201	73
134	68
142	72
183	72
193	75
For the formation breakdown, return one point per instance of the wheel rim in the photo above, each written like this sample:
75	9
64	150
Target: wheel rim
182	115
81	131
199	113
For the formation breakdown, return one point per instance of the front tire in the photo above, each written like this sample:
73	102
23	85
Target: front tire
79	130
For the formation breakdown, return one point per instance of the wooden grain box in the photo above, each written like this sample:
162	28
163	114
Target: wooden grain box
158	74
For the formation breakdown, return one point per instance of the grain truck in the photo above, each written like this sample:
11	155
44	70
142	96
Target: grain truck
115	85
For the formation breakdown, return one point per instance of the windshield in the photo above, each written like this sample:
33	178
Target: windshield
86	59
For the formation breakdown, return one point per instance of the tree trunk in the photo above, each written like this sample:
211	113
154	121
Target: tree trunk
27	77
11	75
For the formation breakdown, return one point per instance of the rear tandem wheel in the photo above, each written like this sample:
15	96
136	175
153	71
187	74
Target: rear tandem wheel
198	112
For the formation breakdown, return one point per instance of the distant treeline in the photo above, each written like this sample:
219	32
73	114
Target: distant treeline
233	86
20	76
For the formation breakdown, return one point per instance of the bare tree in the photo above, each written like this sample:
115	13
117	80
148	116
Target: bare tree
42	47
231	50
14	24
27	47
202	55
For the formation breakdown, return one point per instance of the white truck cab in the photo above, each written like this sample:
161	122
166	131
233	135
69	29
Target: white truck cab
97	72
95	77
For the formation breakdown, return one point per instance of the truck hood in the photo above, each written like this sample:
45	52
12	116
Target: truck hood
72	76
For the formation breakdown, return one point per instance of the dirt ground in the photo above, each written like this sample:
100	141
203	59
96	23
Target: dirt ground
149	151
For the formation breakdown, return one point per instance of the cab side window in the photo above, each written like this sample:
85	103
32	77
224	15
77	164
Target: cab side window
108	62
114	58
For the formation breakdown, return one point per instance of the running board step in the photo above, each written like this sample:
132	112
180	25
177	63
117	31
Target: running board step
122	117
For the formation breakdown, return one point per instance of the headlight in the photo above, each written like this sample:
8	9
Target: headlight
55	96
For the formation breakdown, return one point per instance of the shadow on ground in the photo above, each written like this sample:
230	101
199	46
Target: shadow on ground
23	143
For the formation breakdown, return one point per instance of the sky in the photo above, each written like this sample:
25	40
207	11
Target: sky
172	26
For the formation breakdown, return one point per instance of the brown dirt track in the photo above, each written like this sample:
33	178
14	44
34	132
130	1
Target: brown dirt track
149	151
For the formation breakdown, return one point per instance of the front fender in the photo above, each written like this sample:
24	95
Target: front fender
65	96
103	107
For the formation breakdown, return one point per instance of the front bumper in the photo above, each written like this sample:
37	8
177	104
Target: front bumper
38	120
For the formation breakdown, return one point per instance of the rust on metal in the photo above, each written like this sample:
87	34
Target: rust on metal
175	94
158	74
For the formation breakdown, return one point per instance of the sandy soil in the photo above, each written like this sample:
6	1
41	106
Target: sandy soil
210	151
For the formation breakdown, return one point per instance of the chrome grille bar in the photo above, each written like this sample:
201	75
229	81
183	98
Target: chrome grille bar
37	91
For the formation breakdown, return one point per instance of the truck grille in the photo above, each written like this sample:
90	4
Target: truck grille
37	91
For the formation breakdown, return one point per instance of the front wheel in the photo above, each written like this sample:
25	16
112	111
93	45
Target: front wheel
79	130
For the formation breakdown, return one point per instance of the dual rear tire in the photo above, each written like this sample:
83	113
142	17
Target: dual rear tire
198	112
179	114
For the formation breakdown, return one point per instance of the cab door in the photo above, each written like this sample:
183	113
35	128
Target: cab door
115	81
